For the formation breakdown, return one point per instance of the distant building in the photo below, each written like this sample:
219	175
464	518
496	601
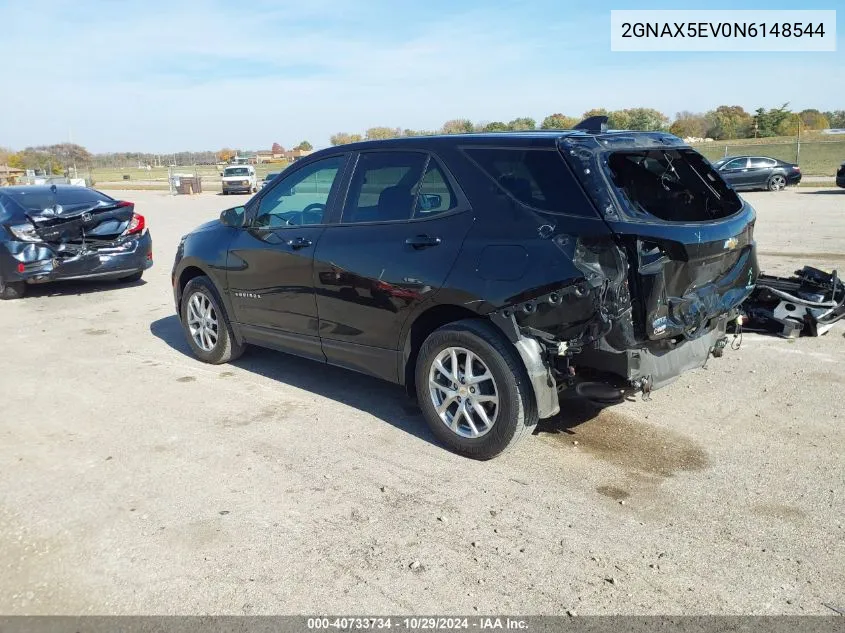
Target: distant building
295	154
10	175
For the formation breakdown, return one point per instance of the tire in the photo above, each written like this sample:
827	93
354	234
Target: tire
132	278
515	413
225	193
777	182
225	348
12	290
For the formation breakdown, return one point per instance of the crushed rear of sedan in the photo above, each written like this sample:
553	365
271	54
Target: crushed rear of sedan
61	233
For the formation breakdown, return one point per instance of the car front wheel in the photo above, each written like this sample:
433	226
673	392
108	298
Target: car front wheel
206	326
473	389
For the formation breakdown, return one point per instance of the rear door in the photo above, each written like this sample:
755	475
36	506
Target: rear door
688	238
399	232
760	169
271	260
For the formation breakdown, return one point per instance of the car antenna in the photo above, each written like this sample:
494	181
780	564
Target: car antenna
593	124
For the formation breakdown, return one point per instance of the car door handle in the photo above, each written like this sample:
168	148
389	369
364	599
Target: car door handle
299	242
422	241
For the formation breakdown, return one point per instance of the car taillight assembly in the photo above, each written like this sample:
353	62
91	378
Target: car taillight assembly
796	168
136	225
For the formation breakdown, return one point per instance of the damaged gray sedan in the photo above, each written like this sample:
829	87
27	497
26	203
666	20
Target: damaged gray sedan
58	233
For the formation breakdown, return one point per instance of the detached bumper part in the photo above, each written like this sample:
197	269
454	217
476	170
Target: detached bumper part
808	303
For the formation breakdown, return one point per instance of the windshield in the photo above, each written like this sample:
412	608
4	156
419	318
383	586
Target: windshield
236	171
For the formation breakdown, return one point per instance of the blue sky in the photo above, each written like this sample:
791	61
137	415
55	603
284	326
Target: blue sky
193	75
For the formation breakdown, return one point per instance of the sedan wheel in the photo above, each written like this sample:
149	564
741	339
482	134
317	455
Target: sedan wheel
777	182
202	321
463	392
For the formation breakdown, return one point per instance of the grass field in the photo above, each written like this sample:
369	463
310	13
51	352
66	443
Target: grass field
209	173
819	156
816	158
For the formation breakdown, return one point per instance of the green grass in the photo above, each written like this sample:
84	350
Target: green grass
209	173
817	158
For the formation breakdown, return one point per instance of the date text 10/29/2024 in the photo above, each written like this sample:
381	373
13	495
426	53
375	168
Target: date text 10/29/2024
416	623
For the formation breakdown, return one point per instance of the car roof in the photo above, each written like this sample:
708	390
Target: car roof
527	137
40	188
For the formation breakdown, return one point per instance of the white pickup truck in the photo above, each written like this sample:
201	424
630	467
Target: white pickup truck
239	179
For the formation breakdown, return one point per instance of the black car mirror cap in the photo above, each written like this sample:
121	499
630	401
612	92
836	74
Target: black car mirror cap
233	217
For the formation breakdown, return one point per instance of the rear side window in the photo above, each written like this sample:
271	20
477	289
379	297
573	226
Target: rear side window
384	186
535	177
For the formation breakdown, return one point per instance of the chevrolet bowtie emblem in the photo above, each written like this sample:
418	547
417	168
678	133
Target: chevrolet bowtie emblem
731	243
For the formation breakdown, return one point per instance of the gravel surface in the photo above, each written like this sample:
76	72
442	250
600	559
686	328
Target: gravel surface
137	480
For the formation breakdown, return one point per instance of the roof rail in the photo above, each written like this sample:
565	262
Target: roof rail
593	124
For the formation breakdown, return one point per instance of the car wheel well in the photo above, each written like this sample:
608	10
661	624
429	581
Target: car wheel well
430	320
189	273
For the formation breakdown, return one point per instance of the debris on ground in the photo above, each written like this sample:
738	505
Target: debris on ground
808	303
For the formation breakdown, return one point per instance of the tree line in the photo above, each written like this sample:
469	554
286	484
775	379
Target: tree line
724	122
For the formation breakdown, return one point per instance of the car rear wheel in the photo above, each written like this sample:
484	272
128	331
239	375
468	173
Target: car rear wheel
12	289
473	389
777	182
206	325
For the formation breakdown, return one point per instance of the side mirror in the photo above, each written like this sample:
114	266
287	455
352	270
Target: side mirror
233	217
429	201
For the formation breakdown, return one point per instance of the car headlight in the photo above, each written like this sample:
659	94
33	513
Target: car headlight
24	232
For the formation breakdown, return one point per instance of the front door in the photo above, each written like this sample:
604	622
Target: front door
735	172
271	260
400	231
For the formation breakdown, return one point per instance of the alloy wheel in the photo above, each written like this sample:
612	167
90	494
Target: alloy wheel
778	183
463	392
202	321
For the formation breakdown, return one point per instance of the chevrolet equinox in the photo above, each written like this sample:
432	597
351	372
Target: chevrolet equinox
484	272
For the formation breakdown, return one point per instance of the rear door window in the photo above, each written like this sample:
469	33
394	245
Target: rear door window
762	162
537	178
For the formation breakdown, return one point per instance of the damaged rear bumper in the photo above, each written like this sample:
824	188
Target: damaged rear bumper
39	262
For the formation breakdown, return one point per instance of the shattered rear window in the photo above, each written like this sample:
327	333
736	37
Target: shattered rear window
40	199
676	185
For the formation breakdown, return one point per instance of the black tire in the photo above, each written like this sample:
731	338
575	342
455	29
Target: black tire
132	278
777	182
12	290
517	414
225	193
227	347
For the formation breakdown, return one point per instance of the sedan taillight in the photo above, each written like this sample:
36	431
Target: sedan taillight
136	225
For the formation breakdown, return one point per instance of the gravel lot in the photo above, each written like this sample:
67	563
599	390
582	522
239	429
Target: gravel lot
134	479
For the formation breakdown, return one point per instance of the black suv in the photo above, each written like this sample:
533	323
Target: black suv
485	273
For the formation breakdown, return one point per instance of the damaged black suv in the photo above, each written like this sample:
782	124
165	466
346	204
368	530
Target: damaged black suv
485	273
